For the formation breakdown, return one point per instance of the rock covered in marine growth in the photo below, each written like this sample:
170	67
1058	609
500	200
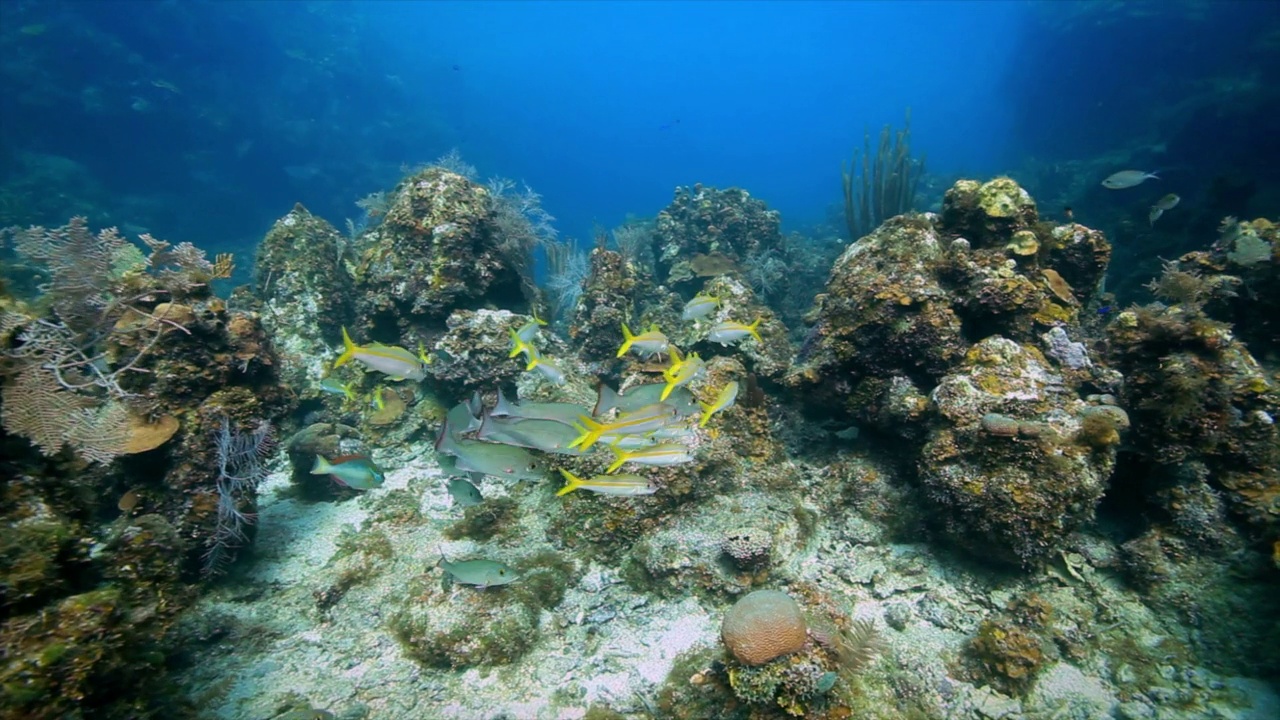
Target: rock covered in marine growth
1014	460
704	226
472	354
603	307
953	332
437	250
764	625
1204	411
305	292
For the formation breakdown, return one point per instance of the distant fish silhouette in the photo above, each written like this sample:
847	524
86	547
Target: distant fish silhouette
669	125
457	68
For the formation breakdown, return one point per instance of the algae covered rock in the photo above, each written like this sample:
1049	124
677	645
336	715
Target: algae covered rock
988	214
305	290
438	249
704	226
1003	463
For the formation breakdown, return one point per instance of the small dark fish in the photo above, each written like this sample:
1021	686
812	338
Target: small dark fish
464	494
1071	214
1105	309
457	68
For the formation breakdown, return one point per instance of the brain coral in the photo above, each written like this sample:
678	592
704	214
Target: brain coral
764	625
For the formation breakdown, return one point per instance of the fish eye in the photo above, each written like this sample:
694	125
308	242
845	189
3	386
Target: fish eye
502	572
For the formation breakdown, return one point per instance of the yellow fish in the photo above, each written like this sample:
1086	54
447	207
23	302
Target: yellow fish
663	455
644	420
624	484
680	372
730	332
395	362
646	344
724	400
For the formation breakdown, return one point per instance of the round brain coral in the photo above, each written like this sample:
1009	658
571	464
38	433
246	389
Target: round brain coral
764	625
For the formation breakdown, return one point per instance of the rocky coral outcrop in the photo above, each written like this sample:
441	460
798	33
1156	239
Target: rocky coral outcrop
1007	461
704	226
436	251
305	291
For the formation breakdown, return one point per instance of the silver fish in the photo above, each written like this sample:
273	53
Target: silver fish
699	307
480	573
1127	179
546	435
560	412
637	397
492	459
464	494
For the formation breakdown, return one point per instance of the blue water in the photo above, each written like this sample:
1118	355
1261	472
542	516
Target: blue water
206	121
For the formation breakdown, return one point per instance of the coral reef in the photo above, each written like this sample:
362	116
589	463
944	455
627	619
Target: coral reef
705	227
437	249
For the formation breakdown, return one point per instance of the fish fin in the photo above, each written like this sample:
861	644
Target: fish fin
502	407
606	399
620	457
422	354
348	391
572	482
536	319
671	385
627	339
533	362
591	432
708	409
752	329
348	350
1152	175
321	466
517	345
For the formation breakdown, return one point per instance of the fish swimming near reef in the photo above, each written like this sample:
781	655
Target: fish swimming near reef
660	455
561	412
550	436
358	472
480	573
625	485
395	362
724	400
1168	202
544	365
463	492
640	422
699	307
681	372
730	332
334	386
1127	179
647	344
529	330
506	461
637	397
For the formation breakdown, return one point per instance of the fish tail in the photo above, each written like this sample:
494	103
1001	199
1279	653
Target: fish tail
606	399
591	432
627	339
348	391
321	466
533	361
708	409
671	385
752	329
517	345
348	350
620	457
572	482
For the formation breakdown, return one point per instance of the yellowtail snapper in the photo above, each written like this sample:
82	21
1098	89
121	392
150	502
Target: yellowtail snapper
395	362
724	400
624	484
730	332
699	307
661	455
647	344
